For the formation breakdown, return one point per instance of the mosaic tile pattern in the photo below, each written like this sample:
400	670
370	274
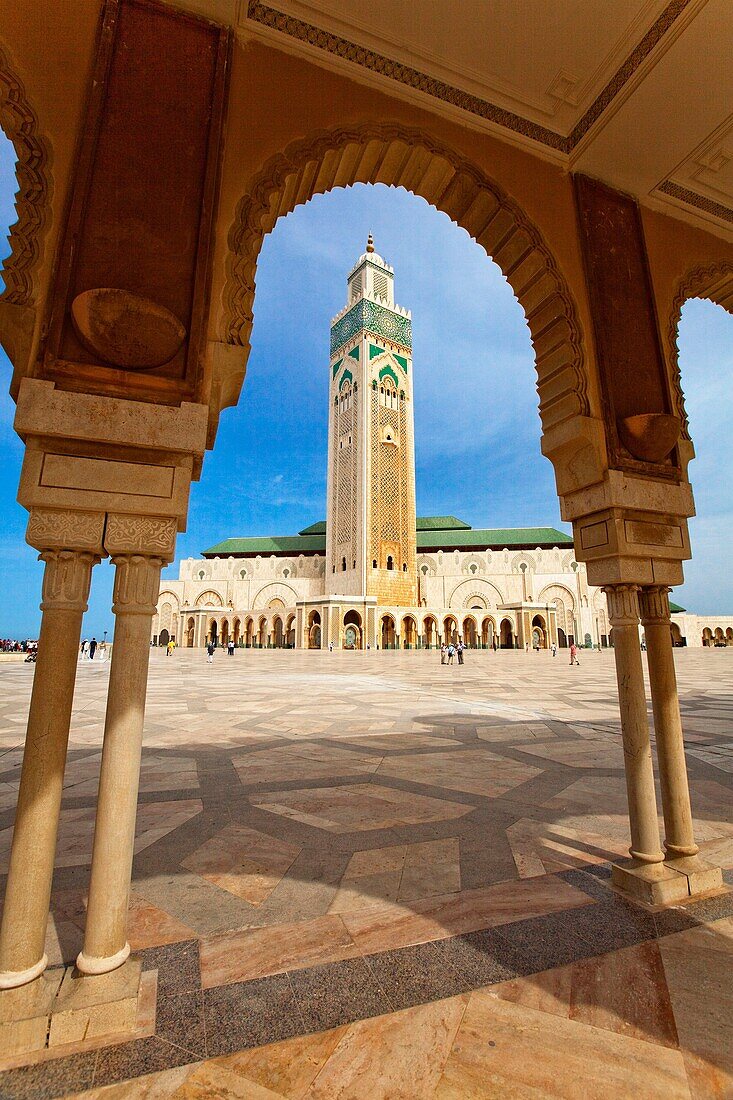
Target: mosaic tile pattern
392	854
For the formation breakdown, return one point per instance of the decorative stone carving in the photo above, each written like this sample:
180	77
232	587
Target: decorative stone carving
141	535
623	604
137	578
376	153
649	436
714	282
654	605
32	202
66	579
126	329
51	529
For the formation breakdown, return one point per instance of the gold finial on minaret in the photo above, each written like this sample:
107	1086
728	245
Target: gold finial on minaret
370	243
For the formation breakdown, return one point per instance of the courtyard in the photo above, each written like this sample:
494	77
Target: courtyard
364	874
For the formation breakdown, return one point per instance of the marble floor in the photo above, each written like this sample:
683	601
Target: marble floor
368	875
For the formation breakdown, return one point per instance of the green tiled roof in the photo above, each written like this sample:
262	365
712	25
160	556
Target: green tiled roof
495	538
275	544
675	607
441	523
433	533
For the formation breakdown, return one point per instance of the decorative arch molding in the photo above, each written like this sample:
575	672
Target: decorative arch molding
209	598
389	372
713	282
477	589
168	595
33	199
523	558
401	156
557	591
275	591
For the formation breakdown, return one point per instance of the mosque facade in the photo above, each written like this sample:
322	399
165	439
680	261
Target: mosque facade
374	574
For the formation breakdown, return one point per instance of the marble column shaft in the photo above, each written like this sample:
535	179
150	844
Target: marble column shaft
656	619
66	582
623	606
137	582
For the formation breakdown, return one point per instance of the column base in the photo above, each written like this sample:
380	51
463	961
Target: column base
88	1006
13	979
24	1014
89	964
651	883
702	877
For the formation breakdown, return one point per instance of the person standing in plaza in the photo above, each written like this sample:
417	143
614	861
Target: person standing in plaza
210	650
169	648
230	647
451	653
92	648
553	647
443	652
459	650
84	649
574	654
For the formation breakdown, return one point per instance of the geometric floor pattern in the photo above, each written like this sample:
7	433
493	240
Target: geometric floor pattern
367	874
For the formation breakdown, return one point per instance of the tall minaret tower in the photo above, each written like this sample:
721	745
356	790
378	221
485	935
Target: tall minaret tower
370	532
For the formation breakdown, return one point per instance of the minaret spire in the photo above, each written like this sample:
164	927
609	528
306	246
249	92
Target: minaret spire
370	243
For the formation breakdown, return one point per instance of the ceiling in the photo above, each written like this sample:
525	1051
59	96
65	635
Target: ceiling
636	92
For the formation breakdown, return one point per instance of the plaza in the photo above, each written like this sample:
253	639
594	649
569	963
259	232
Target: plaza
369	874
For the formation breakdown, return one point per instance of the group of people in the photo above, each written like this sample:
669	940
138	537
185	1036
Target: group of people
93	650
211	650
10	645
450	651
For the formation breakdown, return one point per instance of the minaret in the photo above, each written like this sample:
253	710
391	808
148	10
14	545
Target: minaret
370	539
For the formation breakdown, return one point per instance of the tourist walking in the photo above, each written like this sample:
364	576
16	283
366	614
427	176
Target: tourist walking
92	648
210	650
84	649
169	648
459	651
451	653
554	650
443	652
574	654
102	651
230	647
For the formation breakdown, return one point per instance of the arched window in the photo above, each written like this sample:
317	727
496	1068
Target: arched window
390	562
424	570
404	567
374	564
242	574
201	574
343	565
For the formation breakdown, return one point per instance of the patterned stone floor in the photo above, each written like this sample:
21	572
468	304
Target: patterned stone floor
367	875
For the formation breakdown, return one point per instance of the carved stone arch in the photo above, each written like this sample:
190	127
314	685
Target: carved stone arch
564	602
474	559
478	589
401	156
33	199
528	560
424	559
170	597
275	591
713	282
555	590
209	598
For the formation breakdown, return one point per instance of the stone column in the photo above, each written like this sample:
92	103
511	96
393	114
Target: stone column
70	544
655	617
139	547
623	609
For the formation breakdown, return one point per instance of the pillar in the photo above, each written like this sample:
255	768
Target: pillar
70	544
623	609
139	547
655	617
682	851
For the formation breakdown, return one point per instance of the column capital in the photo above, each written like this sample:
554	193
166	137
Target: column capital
153	536
654	605
137	584
64	529
623	604
66	579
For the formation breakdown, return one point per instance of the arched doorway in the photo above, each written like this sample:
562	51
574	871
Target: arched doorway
236	631
469	632
212	634
677	639
450	630
163	638
430	632
277	632
387	632
506	635
314	630
352	630
409	632
539	632
262	632
707	636
488	631
190	633
719	637
290	632
249	631
224	631
728	636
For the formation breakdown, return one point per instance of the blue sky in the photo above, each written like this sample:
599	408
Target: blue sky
476	422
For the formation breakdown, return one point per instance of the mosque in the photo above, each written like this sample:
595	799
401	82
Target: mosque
373	574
